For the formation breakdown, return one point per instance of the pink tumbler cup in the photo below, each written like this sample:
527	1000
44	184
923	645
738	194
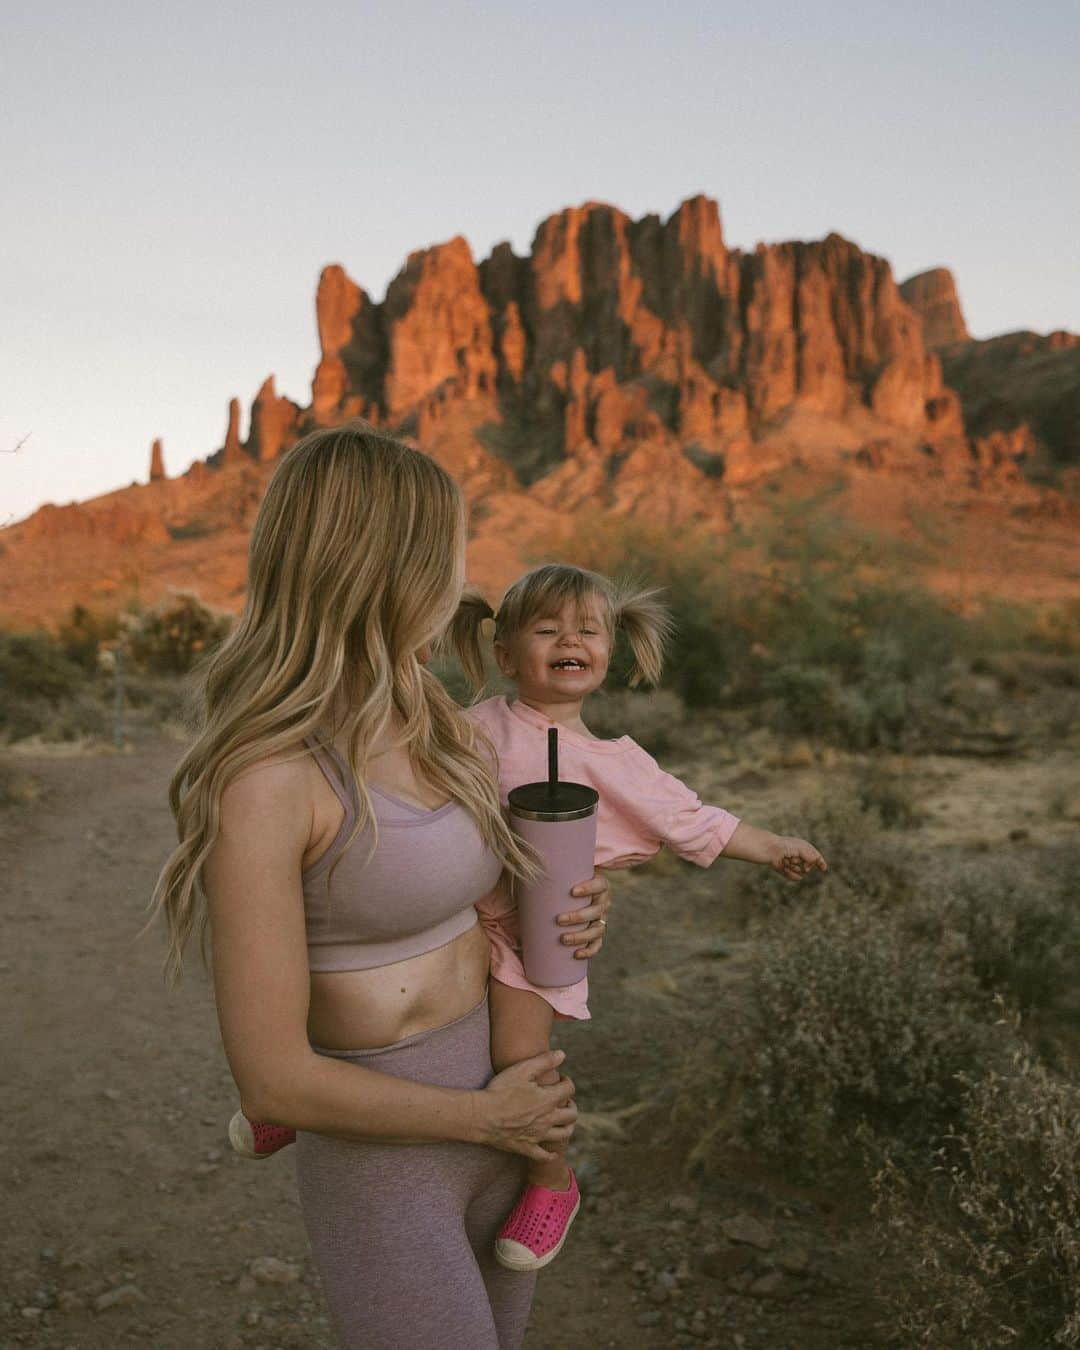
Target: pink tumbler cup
559	820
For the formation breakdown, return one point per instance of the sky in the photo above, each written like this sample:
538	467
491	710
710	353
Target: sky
177	176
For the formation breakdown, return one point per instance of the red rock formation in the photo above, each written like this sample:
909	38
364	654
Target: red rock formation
232	451
438	329
348	381
273	422
157	463
932	295
609	317
637	367
613	326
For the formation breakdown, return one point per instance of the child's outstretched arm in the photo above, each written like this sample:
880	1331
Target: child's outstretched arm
787	854
656	809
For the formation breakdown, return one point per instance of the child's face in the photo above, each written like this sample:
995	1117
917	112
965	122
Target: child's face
531	660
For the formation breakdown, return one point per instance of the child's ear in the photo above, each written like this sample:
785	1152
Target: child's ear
502	655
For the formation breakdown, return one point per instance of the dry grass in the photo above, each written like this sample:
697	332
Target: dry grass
994	1229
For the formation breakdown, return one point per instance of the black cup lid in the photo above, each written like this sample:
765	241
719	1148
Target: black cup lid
569	801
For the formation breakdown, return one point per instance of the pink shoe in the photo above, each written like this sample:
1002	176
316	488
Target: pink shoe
252	1139
537	1226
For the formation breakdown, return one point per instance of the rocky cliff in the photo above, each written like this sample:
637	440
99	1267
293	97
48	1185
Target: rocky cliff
638	367
614	333
1020	392
932	295
615	330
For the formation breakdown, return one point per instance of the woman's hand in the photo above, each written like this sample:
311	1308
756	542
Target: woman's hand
514	1112
793	858
588	940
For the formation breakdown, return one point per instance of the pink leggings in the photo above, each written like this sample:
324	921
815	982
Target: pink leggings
403	1234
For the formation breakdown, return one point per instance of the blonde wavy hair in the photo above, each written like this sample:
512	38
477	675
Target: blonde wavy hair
646	621
354	566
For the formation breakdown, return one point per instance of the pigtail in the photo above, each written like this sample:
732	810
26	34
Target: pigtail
474	617
648	625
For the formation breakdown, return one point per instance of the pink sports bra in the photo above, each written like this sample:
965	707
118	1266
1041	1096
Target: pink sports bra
416	894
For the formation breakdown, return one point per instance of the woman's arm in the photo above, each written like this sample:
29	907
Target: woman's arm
262	987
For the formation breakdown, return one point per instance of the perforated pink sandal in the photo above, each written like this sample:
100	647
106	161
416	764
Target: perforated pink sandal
253	1139
537	1226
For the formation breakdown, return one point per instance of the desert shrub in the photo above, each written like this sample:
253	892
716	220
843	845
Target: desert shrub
806	696
1017	927
846	1050
853	1030
170	635
651	716
162	698
870	675
81	634
1057	629
83	716
834	651
866	866
993	1231
33	666
856	1019
885	788
879	709
22	716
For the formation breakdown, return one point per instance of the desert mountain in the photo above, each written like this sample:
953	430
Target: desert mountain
636	367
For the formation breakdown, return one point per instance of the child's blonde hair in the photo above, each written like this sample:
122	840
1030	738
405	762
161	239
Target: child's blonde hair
646	621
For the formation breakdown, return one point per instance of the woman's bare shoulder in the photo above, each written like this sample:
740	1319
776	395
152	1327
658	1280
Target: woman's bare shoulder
282	777
266	822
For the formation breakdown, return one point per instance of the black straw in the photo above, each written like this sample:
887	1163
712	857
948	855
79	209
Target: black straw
553	760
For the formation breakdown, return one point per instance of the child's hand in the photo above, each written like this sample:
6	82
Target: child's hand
793	858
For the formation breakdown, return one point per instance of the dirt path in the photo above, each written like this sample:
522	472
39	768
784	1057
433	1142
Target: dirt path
131	1222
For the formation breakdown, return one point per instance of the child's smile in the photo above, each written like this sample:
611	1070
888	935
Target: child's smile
558	659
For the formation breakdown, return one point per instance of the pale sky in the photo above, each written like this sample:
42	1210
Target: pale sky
176	176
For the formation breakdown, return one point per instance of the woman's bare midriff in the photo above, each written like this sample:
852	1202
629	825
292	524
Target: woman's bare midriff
362	1009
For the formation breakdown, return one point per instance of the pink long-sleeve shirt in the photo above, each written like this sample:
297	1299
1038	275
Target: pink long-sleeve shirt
641	809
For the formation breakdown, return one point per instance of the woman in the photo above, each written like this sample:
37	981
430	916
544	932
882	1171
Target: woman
355	1010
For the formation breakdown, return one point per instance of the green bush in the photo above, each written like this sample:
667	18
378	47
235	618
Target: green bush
806	697
33	666
82	633
21	716
170	635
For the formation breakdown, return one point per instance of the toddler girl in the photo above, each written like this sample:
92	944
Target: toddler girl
553	637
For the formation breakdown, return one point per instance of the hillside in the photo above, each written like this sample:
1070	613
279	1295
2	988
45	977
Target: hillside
638	368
